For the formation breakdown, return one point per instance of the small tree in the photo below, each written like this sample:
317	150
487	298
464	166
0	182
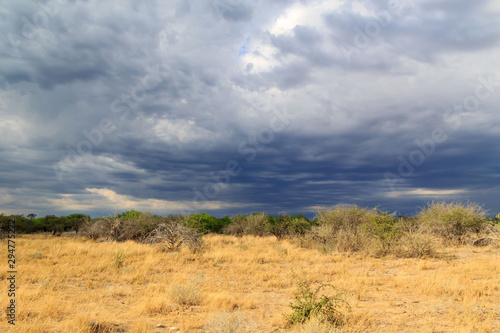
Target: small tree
75	221
131	214
55	224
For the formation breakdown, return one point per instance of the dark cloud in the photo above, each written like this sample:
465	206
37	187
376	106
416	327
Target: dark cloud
106	107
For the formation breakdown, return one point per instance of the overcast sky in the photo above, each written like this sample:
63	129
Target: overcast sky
239	106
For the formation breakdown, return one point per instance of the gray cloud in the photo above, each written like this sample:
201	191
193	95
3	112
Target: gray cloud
180	101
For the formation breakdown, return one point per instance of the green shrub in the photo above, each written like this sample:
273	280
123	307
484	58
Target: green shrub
286	226
204	223
75	221
309	304
36	255
381	226
453	221
131	214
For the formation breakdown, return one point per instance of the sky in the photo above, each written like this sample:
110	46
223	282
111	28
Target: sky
240	106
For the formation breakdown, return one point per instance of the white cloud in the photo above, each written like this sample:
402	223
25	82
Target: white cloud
98	199
97	164
424	193
182	131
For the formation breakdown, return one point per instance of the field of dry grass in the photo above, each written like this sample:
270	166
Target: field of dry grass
70	284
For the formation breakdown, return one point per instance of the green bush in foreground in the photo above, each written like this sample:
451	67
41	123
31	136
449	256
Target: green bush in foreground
310	304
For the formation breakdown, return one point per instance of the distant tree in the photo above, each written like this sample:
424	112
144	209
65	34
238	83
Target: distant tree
75	221
287	225
55	224
31	216
204	223
131	214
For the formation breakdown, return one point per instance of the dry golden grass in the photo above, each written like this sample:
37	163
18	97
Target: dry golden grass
243	284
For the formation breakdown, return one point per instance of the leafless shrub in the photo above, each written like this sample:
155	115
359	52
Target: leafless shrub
99	229
171	235
416	239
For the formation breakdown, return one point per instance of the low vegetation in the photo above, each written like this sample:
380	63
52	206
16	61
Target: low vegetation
367	269
455	222
310	304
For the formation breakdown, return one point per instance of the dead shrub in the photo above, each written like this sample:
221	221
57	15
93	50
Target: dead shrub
98	229
171	235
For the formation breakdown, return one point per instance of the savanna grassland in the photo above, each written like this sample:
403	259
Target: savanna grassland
245	284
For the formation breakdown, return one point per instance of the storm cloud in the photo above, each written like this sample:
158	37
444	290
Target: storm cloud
237	106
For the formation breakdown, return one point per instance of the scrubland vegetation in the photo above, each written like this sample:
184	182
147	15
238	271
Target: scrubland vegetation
351	269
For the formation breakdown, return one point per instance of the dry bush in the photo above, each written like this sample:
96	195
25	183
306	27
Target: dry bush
415	240
254	224
374	231
339	228
454	222
343	217
237	226
98	229
351	240
188	294
118	229
171	235
316	325
416	244
102	327
224	323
